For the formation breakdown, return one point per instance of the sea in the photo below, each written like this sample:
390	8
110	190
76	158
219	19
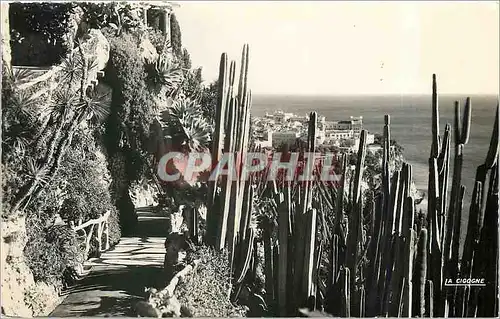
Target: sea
410	124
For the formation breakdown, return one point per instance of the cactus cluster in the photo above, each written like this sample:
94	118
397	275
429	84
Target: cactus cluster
229	202
380	263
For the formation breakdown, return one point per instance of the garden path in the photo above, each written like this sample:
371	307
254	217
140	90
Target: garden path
118	277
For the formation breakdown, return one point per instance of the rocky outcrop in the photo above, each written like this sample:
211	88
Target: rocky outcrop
21	295
97	46
148	51
176	243
5	29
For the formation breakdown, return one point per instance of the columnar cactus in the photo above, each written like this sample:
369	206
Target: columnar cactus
381	263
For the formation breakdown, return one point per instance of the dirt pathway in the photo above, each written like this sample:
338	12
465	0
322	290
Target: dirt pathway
119	276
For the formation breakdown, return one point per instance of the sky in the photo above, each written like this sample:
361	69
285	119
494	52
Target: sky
333	47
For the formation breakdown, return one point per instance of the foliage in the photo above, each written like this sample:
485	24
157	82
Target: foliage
157	38
52	164
167	73
80	189
50	252
346	143
127	127
37	32
120	16
187	127
186	59
38	126
208	101
205	291
373	164
114	227
128	217
175	36
192	85
86	180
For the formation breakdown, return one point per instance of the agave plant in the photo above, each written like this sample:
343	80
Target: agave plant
186	126
167	72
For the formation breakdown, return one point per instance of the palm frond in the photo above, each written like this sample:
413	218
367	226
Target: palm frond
61	102
93	65
20	145
23	103
197	134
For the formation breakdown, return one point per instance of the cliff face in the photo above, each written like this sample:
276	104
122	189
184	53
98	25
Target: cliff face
4	16
21	295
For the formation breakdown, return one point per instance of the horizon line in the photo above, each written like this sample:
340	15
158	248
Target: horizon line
372	94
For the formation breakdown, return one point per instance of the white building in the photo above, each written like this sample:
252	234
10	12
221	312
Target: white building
264	139
370	139
339	134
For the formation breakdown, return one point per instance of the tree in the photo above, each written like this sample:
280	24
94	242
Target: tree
175	35
346	143
186	59
209	101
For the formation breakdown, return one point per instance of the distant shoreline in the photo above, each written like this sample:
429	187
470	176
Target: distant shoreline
448	95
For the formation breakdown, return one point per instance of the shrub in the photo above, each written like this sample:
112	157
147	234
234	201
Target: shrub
87	181
127	127
205	291
80	189
114	227
128	217
132	104
50	252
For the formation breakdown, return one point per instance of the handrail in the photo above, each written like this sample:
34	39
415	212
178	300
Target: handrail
45	76
91	222
102	227
53	70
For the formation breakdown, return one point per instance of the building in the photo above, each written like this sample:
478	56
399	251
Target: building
264	139
354	123
339	134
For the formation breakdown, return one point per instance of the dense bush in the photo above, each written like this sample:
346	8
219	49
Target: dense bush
86	180
51	251
80	189
208	101
114	227
132	108
205	291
